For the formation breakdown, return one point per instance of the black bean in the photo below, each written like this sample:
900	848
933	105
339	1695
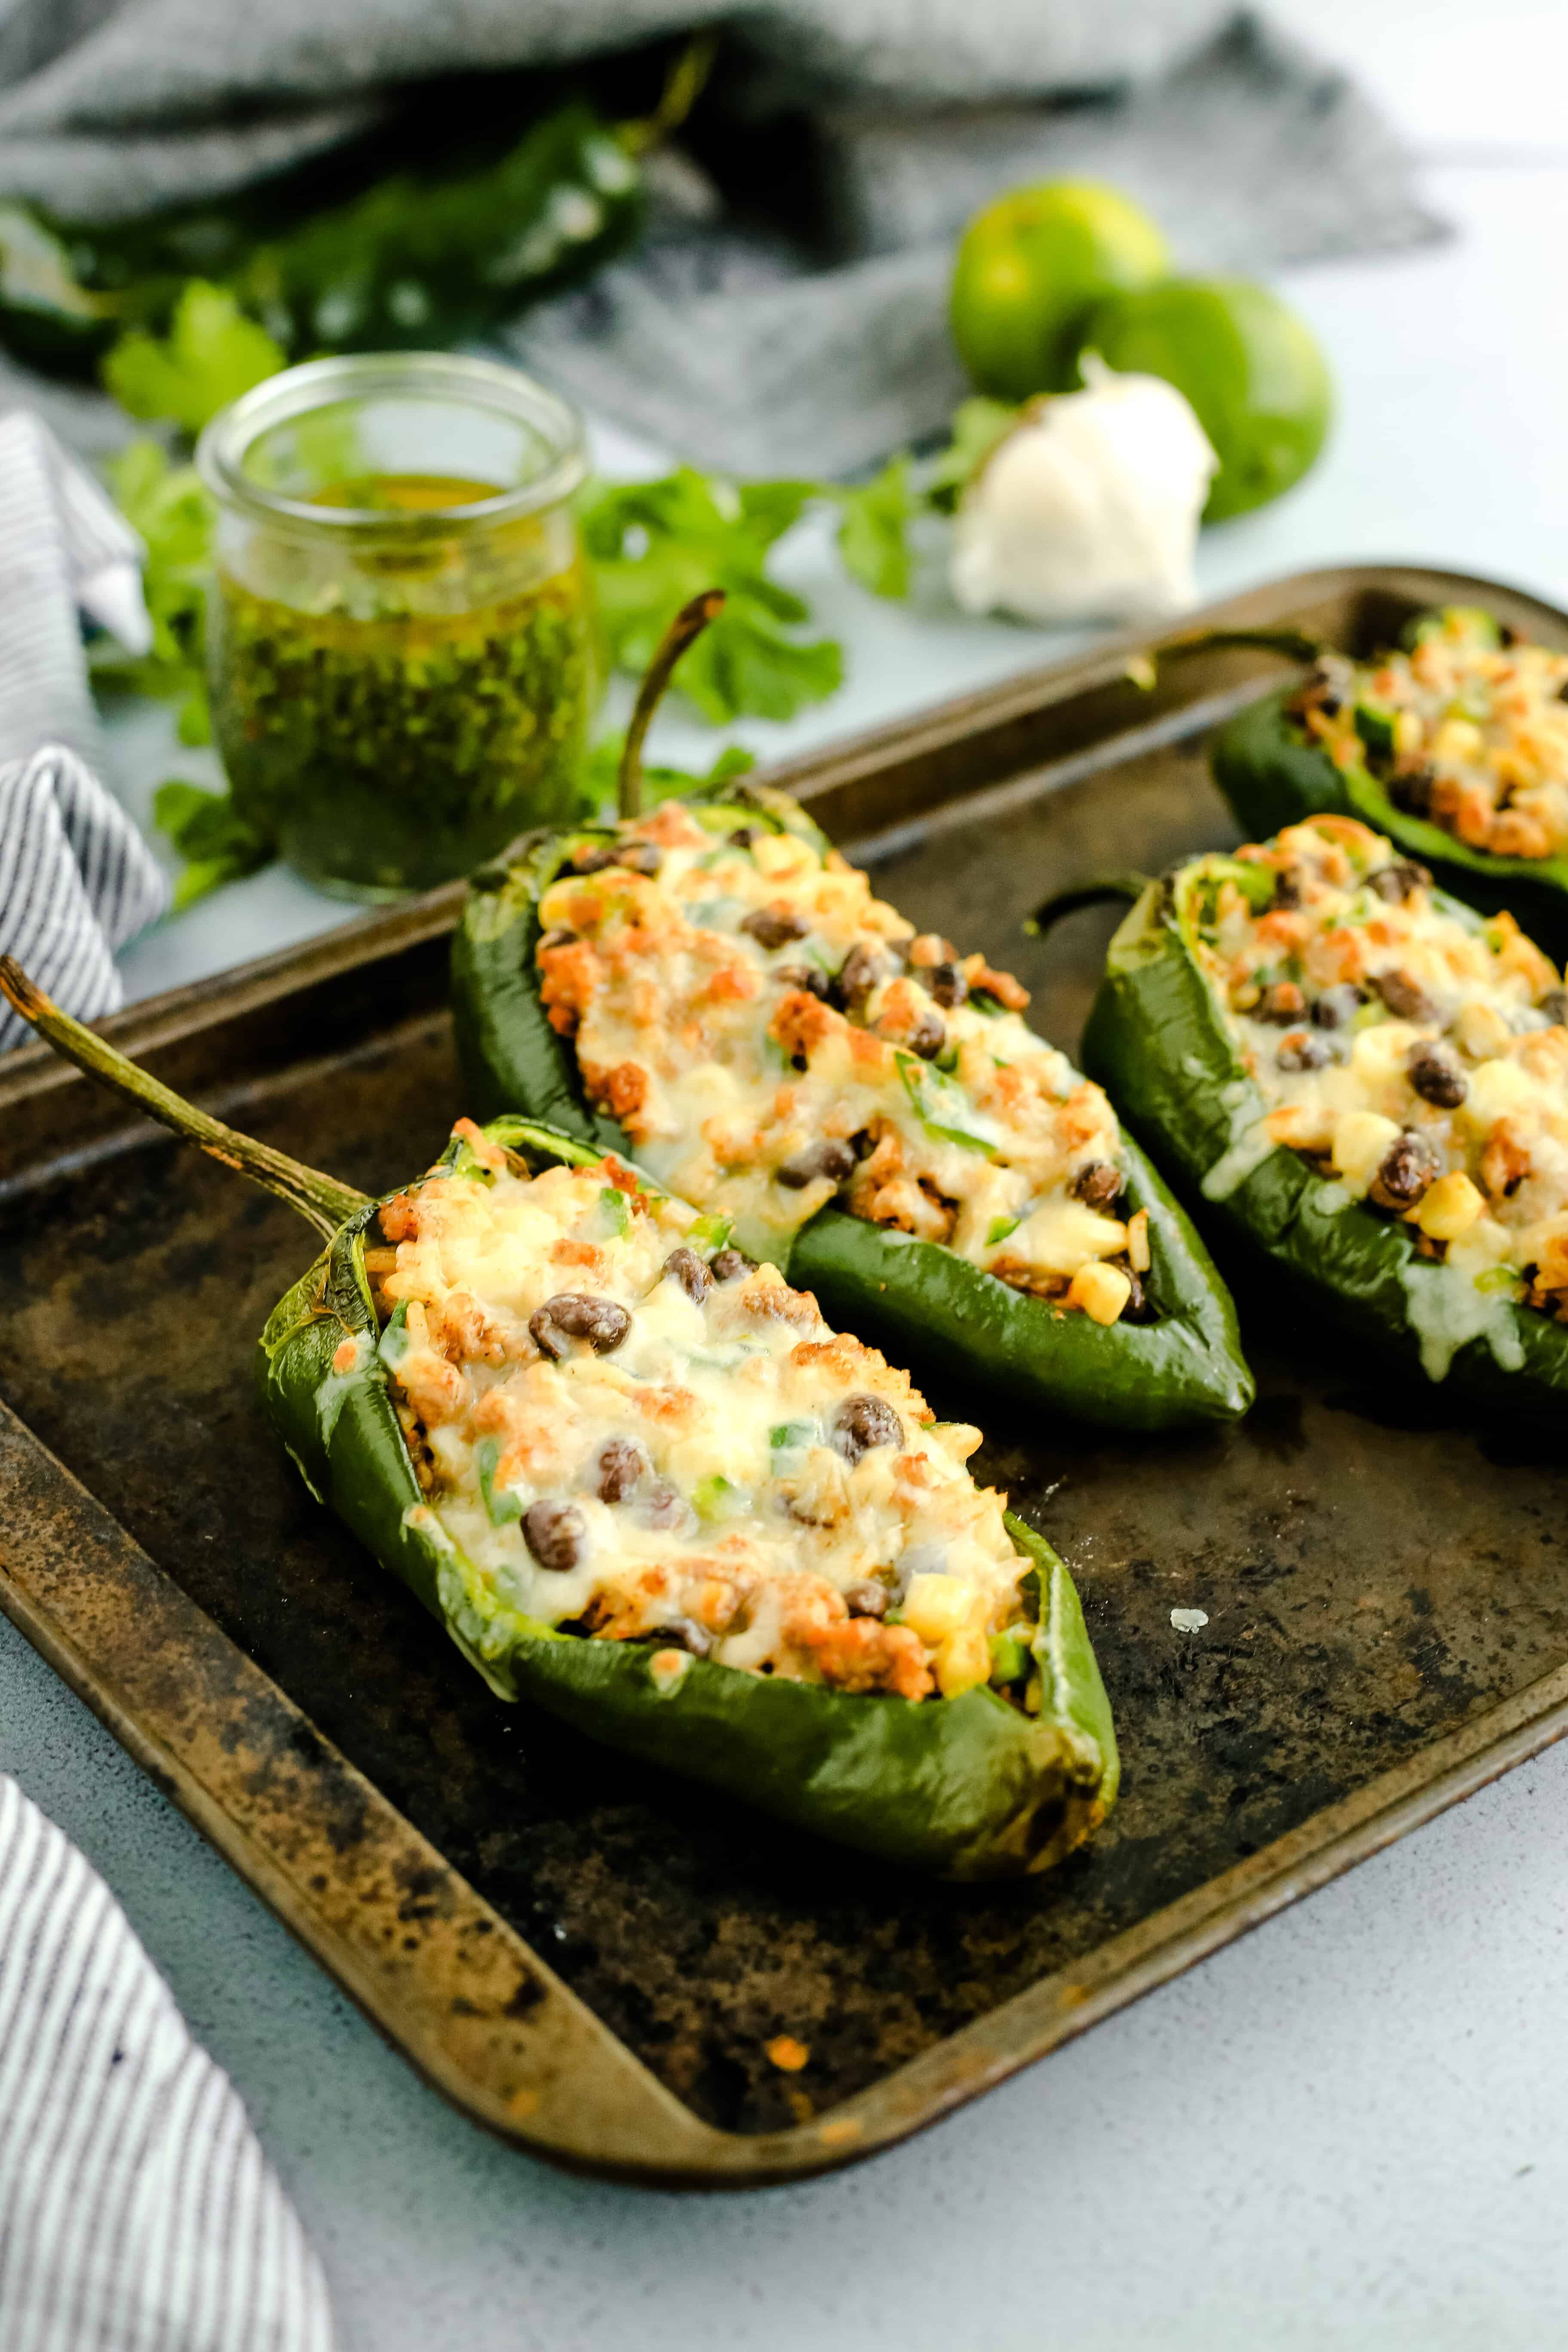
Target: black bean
556	939
1401	996
1562	691
948	983
1435	1078
1288	889
574	1315
1395	884
731	1265
621	1464
638	857
809	976
832	1156
1412	790
553	1533
681	1633
930	1038
1098	1184
742	836
862	1422
867	1600
775	927
684	1266
1408	1171
1302	1051
1338	1006
858	976
1284	1002
1554	1004
660	1503
591	861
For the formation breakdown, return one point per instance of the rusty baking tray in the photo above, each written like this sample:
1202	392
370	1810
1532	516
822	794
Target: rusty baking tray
592	1959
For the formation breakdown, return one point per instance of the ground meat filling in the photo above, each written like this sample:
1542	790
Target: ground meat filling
1419	1059
1464	730
629	1429
772	1037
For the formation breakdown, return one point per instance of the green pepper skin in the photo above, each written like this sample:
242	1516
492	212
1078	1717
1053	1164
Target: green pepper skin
1186	1368
1273	774
969	1788
1155	1042
410	238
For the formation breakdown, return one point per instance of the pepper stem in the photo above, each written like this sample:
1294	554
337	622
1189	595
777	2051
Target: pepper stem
1294	644
320	1199
1094	892
683	631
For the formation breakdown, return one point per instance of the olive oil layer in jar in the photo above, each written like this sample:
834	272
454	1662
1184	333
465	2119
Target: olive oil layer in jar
403	654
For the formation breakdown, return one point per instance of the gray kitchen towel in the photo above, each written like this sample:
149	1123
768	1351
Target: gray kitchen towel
735	345
76	880
137	2210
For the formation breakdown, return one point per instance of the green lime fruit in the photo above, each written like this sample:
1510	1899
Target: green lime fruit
1029	268
1251	367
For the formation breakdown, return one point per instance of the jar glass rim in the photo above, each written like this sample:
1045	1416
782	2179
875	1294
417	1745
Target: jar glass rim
225	442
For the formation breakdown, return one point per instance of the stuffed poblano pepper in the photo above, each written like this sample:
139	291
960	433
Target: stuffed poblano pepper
644	1485
713	990
1455	745
1365	1080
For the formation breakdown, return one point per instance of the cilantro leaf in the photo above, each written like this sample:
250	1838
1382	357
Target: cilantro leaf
655	545
170	509
873	533
217	844
211	354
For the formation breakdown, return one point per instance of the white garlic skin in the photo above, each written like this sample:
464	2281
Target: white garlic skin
1089	510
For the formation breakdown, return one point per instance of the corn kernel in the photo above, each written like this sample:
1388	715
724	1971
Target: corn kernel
962	1660
1450	1207
1101	1291
1138	1240
1362	1140
937	1606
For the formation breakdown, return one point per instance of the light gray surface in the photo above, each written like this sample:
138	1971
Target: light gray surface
1348	2133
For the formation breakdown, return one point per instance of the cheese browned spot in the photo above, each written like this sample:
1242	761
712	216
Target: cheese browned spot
772	1037
1465	732
700	1464
1420	1059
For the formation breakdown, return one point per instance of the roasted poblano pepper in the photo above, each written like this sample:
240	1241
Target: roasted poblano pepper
976	1786
1184	1365
415	236
1274	772
1159	1042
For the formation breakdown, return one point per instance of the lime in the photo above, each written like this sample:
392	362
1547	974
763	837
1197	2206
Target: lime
1029	267
1251	368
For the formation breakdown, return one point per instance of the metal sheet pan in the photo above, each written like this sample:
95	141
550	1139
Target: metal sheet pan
593	1962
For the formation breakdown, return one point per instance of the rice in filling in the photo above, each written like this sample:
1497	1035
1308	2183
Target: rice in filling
1419	1059
1464	729
633	1432
771	1037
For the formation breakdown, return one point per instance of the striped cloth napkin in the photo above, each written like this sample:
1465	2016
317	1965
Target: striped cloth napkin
76	880
137	2212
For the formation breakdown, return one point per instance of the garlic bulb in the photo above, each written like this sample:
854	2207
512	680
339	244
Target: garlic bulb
1089	509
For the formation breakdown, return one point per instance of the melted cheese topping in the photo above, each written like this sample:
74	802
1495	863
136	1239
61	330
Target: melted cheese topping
1463	730
771	1035
683	1454
1420	1060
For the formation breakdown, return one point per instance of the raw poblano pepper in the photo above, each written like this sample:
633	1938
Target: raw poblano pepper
976	1786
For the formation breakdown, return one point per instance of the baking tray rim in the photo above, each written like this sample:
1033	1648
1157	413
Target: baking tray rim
554	2107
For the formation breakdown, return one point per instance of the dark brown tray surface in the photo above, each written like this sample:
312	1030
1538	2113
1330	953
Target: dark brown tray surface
1375	1573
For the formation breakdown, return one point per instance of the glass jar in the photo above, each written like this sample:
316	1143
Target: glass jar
402	652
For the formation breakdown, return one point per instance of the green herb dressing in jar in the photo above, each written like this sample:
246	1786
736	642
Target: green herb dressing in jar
402	650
